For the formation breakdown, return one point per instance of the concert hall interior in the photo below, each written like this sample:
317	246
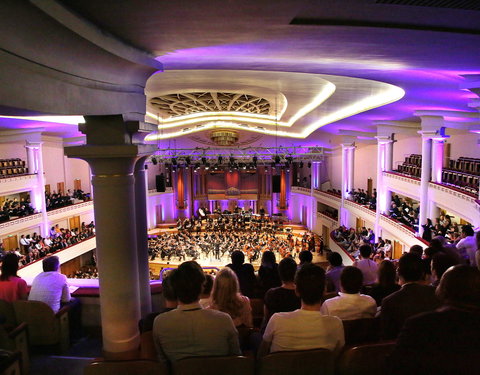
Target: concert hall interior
137	135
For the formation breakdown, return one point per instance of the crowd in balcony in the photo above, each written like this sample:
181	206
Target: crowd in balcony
365	198
404	211
57	200
14	208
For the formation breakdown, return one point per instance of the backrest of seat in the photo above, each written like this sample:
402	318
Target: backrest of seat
361	331
43	327
128	367
257	311
7	314
228	365
305	362
365	359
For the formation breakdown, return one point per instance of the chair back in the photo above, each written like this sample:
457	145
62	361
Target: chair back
43	327
361	331
126	367
365	359
257	311
7	314
227	365
305	362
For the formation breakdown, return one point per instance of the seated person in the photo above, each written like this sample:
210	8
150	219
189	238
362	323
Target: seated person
350	304
50	286
445	341
386	282
305	328
190	330
245	273
366	265
305	257
12	287
334	271
226	297
283	298
413	298
170	303
205	297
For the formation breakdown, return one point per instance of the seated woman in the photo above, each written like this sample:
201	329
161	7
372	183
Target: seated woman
386	282
268	273
226	297
12	287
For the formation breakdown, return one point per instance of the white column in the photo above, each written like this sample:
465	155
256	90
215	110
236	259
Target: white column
438	145
351	168
347	181
142	236
425	178
380	205
31	159
39	191
388	166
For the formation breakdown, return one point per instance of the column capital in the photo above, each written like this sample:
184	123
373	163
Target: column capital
348	145
433	134
382	139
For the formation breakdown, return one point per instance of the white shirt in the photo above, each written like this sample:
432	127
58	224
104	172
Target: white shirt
469	246
369	270
303	330
350	306
51	288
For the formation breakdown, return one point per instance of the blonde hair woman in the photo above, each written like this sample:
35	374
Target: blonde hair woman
226	297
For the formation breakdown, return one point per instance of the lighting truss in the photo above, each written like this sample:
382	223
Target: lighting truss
263	155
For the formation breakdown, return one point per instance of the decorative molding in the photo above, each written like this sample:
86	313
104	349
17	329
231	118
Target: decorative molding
70	208
328	218
358	206
401	177
20	220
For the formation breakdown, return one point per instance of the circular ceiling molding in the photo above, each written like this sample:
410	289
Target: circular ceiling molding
186	103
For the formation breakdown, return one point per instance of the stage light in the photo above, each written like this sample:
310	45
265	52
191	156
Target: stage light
254	159
220	159
232	160
154	161
204	160
207	166
174	161
301	164
187	160
309	165
277	159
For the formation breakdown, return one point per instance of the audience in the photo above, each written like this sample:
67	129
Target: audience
307	325
305	257
245	273
226	297
334	271
14	208
366	265
268	272
190	330
386	284
12	287
282	298
413	298
350	304
467	246
206	296
445	341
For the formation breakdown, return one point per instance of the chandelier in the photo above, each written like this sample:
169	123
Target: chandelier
224	137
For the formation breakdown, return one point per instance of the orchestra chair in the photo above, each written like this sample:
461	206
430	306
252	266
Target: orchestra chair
214	365
16	340
361	331
305	362
126	367
44	326
365	359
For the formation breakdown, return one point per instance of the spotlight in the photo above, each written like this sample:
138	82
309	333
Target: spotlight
174	161
154	161
309	165
254	159
289	159
187	160
204	160
216	167
277	159
197	165
301	164
207	166
220	159
232	160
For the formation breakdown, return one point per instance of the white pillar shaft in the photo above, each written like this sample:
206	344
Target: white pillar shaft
142	237
425	179
44	229
380	189
437	160
31	160
351	168
117	260
343	183
388	156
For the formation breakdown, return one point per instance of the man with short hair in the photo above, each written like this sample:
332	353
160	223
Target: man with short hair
334	271
245	273
467	246
413	298
305	328
305	257
366	265
50	286
283	298
350	304
445	341
190	330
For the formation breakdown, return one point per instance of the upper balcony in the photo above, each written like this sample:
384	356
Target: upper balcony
16	184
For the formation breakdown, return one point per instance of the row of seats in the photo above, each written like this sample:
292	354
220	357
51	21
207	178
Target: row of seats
12	167
410	169
358	360
461	180
467	165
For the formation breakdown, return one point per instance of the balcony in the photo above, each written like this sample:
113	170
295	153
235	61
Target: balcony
15	184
